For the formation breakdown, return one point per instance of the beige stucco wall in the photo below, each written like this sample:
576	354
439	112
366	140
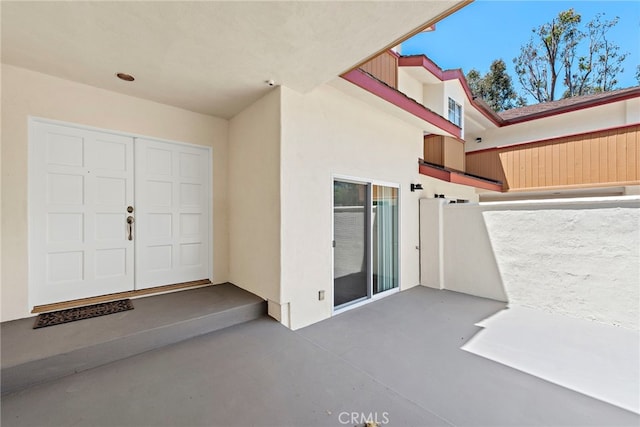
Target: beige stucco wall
273	169
254	197
327	133
26	93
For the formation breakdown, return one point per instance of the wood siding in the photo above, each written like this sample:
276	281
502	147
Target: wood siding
454	157
434	149
588	160
444	151
384	67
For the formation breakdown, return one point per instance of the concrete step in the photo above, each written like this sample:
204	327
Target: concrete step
31	356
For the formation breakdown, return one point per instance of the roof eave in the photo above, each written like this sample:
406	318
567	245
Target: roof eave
378	88
575	107
444	75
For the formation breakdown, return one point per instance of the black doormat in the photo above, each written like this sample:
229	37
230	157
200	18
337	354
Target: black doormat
80	313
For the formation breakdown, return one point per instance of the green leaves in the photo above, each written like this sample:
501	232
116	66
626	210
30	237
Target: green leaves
581	54
495	87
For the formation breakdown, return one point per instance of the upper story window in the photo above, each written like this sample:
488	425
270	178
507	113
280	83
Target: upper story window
455	112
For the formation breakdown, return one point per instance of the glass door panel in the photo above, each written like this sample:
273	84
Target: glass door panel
384	238
351	221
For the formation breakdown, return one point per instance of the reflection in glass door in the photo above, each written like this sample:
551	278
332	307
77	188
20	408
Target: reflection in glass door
365	218
351	253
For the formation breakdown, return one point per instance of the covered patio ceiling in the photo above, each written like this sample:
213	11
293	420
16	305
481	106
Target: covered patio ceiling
210	57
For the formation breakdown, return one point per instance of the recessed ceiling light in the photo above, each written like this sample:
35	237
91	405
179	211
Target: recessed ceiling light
126	77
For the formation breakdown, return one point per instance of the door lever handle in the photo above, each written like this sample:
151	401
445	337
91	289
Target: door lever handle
130	226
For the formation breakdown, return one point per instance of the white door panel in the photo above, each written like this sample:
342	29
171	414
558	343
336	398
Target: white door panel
81	183
172	187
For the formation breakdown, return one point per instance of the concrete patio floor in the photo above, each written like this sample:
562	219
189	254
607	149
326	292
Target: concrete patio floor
398	360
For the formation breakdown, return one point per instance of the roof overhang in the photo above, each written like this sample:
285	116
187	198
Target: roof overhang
426	71
614	96
374	92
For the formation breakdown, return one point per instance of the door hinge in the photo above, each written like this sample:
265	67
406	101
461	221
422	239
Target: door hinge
333	243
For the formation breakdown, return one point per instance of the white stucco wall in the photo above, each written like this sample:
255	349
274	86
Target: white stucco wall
26	93
453	89
254	198
580	259
470	264
410	86
327	133
451	191
431	243
456	250
632	107
581	121
433	98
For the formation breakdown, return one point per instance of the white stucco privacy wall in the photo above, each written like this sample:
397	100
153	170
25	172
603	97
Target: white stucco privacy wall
27	93
469	256
580	259
456	251
254	197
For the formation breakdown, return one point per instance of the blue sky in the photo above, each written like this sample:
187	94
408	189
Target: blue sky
486	30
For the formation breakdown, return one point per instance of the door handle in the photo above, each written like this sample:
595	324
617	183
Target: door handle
130	227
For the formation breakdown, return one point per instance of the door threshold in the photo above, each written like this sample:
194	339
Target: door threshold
364	301
119	295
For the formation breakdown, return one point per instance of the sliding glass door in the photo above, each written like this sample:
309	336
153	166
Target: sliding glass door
365	219
351	242
385	238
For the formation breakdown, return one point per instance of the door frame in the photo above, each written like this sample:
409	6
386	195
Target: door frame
370	295
32	121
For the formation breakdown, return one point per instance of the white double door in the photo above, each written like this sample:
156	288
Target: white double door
110	213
